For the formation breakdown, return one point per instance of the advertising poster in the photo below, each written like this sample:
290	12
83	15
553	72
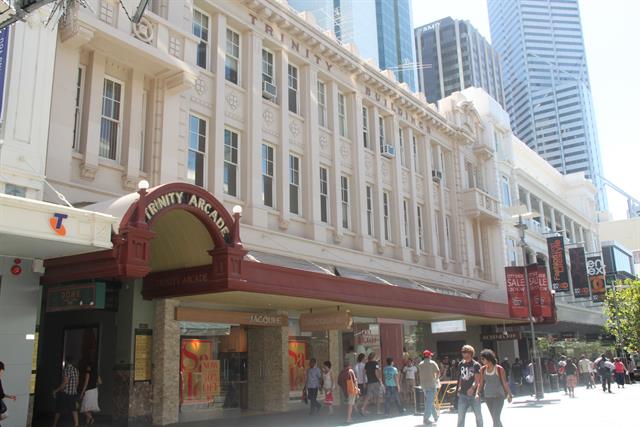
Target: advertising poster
558	264
142	355
516	292
192	353
595	271
297	364
543	306
210	370
579	272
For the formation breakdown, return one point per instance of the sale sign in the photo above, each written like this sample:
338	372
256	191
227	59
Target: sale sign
516	292
540	294
194	355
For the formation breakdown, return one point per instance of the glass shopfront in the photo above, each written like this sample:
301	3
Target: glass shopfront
302	347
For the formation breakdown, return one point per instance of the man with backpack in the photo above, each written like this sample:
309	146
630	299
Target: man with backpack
602	366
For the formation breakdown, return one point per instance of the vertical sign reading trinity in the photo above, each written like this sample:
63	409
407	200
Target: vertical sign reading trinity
4	47
579	272
558	264
595	271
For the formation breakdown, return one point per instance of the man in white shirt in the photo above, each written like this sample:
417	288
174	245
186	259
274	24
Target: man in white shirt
584	366
409	372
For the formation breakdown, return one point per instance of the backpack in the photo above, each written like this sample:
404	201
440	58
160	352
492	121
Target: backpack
343	377
602	368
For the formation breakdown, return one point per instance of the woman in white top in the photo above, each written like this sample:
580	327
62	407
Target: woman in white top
409	372
328	385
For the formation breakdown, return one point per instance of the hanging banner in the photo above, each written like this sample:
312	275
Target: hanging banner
540	293
516	292
595	271
558	264
579	272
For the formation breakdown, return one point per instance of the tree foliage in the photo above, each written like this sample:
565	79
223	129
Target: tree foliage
622	308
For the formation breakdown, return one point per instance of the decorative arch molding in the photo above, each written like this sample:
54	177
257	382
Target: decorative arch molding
130	255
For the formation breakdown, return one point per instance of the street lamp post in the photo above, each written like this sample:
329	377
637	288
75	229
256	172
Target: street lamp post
538	388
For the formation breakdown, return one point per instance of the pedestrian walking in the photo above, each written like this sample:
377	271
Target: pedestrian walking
392	387
605	372
468	380
351	390
3	407
493	385
507	366
516	375
66	393
429	373
632	368
360	375
584	369
562	375
328	385
312	385
571	371
409	372
89	391
375	389
620	371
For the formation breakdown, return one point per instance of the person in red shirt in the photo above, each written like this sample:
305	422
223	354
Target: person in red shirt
620	371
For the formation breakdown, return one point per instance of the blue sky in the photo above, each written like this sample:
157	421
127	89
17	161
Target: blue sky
614	62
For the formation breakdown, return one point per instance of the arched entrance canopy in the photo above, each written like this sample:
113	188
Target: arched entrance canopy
130	256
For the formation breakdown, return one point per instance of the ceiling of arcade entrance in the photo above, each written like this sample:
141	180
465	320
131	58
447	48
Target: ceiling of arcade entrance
180	241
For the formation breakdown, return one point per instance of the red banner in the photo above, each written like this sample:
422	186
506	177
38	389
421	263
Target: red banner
540	294
516	292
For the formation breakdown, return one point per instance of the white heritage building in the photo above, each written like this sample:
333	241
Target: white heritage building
329	158
553	204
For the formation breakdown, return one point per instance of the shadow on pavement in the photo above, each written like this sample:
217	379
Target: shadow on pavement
525	404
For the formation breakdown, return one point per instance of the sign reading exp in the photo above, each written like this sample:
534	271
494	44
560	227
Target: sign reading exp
174	198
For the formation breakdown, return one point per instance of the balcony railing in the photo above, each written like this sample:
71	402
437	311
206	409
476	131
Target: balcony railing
479	203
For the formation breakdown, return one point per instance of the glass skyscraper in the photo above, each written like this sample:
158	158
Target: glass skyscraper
546	82
453	55
353	21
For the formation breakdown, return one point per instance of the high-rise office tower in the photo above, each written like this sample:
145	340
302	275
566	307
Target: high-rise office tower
354	22
452	55
546	82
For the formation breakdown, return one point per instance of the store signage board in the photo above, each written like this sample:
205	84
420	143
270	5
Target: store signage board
335	320
82	296
143	349
446	326
502	336
232	317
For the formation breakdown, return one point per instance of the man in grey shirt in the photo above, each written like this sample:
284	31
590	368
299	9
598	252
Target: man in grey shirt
312	384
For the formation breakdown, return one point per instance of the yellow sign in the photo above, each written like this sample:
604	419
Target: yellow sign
340	320
142	357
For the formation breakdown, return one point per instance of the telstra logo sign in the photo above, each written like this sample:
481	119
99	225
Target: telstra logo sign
56	223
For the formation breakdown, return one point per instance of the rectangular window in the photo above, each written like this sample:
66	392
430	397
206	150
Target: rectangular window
414	144
506	191
369	190
231	151
322	104
403	159
77	123
420	229
443	168
267	175
293	88
197	150
441	244
405	218
200	29
381	126
448	242
342	115
294	184
232	57
267	66
344	196
365	127
386	216
324	195
110	120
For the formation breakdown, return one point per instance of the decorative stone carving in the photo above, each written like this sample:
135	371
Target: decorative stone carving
324	143
143	30
337	236
175	47
385	170
345	151
267	116
88	171
283	223
200	86
129	182
380	247
294	128
232	101
201	102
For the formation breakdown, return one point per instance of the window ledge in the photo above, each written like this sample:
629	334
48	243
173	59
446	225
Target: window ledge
111	164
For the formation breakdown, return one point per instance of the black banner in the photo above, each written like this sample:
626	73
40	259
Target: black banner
595	270
579	272
558	264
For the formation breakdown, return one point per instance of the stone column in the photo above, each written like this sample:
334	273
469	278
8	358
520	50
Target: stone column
268	368
336	359
166	363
